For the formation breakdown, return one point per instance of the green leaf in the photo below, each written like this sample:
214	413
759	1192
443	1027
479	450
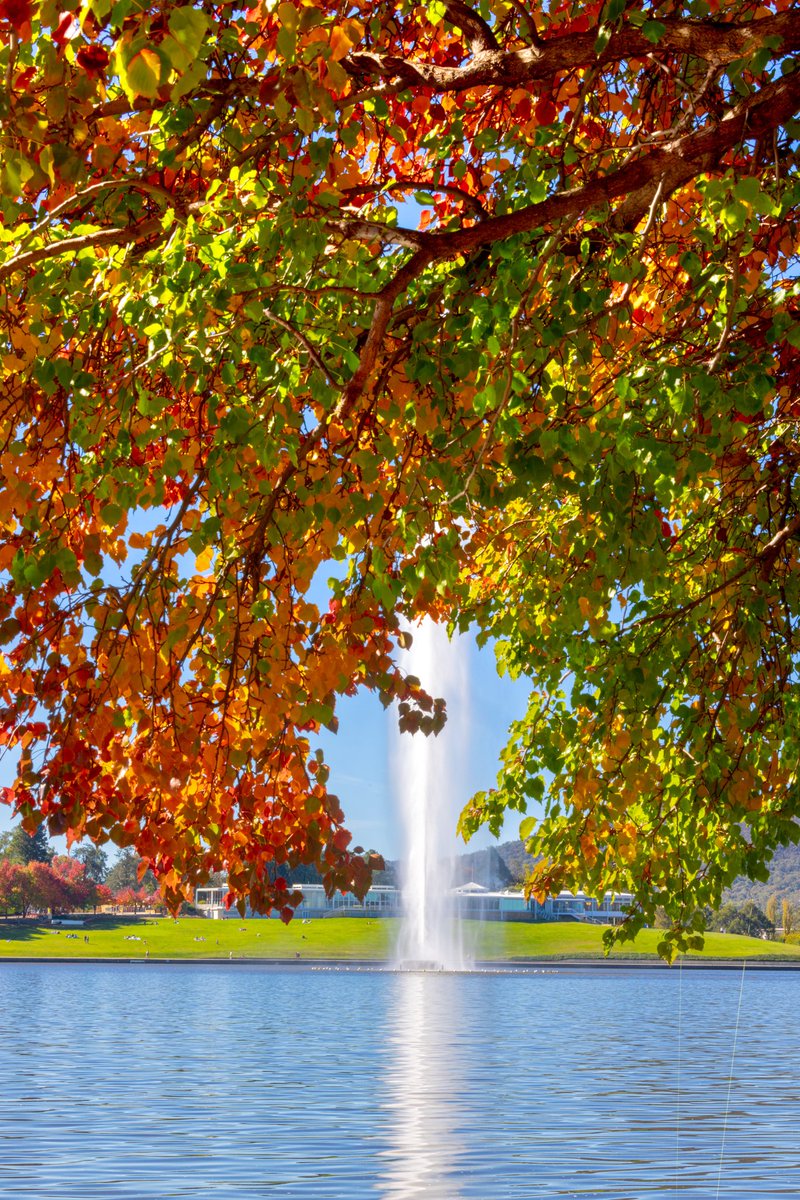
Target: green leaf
286	42
141	74
653	31
289	17
189	27
602	39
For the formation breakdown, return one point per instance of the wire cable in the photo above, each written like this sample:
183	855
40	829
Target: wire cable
678	1088
730	1080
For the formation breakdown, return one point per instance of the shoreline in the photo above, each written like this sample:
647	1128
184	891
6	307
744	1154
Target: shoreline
483	967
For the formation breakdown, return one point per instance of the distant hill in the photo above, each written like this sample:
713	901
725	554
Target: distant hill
486	867
784	881
516	857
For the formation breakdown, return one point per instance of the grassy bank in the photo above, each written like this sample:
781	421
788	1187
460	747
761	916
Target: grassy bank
339	938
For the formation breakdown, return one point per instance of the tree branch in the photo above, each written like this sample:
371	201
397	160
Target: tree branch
711	41
480	34
672	166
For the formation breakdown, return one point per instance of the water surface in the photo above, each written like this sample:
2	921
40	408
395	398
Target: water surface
144	1081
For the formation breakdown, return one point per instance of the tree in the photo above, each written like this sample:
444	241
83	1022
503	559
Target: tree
787	919
102	895
746	919
771	910
60	886
22	847
130	871
16	888
133	898
77	888
94	861
489	312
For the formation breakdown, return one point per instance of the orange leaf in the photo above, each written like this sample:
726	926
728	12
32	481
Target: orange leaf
341	44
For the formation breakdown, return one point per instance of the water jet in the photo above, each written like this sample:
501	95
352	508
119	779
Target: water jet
429	780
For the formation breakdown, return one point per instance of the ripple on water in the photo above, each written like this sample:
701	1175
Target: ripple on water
125	1084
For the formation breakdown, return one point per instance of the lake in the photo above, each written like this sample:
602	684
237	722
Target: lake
147	1081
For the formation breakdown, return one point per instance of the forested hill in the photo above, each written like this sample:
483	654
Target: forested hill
784	880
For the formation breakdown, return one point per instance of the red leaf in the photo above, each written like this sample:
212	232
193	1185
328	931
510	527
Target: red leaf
341	839
24	78
546	111
93	59
16	12
68	27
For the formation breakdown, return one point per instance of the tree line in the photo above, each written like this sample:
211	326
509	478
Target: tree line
34	879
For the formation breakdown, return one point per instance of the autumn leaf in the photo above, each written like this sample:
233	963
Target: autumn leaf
141	73
16	13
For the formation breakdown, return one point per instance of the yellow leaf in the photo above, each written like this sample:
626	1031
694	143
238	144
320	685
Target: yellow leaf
203	561
341	44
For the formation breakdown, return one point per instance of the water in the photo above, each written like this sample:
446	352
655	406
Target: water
144	1082
431	792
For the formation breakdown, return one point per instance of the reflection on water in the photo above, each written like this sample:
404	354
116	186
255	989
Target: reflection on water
154	1082
424	1088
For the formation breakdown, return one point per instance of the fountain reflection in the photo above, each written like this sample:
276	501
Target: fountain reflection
423	1089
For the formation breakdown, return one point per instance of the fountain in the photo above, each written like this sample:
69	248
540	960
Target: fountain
429	780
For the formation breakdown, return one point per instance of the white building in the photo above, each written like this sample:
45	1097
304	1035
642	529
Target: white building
470	901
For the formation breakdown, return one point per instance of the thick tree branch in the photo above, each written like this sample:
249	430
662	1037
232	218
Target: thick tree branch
100	237
671	166
479	33
713	42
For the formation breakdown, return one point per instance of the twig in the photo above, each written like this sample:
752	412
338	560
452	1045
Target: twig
303	341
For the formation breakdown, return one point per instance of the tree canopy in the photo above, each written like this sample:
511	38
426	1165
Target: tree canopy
488	313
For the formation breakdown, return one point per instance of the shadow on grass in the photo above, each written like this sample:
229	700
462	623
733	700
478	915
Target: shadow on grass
24	929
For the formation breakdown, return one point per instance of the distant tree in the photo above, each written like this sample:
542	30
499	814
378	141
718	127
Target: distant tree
49	890
94	860
16	888
61	886
133	899
77	888
747	919
787	918
22	847
125	874
771	909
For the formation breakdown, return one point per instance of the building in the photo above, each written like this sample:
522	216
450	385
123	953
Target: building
380	901
471	901
577	906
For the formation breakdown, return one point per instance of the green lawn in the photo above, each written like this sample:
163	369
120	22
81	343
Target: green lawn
339	938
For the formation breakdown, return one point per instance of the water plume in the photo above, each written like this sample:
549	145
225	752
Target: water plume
429	780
